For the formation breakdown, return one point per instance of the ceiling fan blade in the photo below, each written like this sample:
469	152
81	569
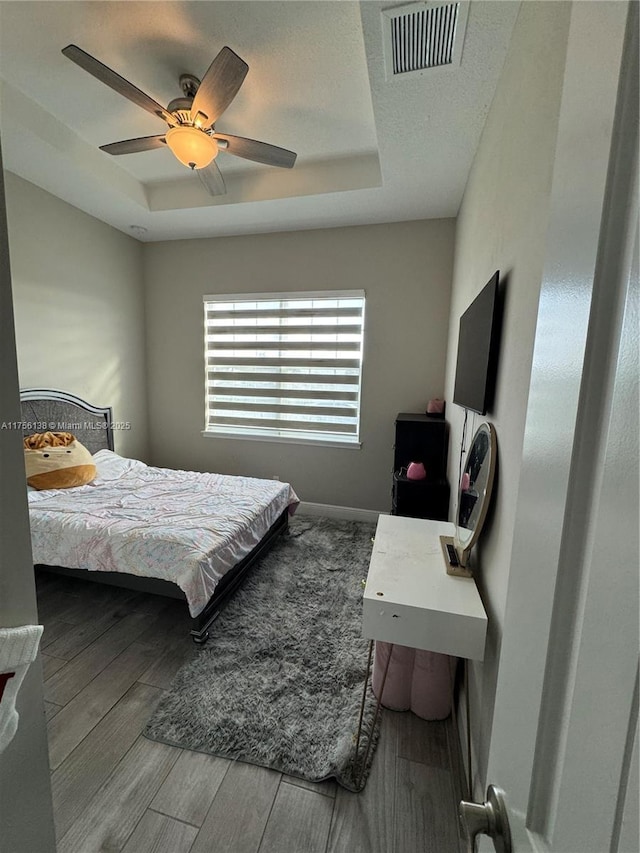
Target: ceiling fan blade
116	82
219	85
261	152
212	179
133	146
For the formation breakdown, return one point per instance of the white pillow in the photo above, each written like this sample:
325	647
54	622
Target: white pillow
111	466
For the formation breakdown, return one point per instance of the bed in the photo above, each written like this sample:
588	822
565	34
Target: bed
183	534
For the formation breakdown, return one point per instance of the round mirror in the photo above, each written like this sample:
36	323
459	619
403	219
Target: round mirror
474	493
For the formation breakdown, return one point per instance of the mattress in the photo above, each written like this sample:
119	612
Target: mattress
185	527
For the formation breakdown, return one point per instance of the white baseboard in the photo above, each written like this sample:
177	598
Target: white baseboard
348	513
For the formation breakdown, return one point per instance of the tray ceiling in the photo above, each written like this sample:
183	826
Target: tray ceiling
369	149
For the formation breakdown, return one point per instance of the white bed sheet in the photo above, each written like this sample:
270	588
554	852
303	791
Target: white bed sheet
181	526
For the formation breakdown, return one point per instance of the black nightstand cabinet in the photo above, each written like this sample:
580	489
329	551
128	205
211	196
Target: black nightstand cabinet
420	498
421	438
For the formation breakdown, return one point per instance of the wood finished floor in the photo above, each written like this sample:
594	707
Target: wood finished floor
108	654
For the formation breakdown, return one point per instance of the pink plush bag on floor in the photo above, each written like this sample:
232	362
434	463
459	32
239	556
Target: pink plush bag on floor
417	680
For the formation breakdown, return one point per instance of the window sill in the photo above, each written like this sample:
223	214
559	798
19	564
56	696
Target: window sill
280	439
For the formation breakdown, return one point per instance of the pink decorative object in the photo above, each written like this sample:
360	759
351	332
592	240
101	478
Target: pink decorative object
435	407
417	680
416	471
465	482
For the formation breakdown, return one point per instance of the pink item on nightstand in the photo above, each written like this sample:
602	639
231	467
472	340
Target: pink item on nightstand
435	407
416	471
417	680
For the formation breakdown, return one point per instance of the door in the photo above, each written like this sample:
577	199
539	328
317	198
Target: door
26	815
564	737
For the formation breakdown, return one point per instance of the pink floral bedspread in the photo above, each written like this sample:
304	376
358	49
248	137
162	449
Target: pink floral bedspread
182	526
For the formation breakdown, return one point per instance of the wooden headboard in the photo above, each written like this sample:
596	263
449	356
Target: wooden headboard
45	409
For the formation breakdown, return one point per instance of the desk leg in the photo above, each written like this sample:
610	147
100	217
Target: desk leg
364	696
377	711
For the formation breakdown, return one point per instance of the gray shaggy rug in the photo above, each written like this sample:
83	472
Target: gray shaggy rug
280	682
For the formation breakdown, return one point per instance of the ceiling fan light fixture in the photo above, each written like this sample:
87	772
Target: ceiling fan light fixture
192	146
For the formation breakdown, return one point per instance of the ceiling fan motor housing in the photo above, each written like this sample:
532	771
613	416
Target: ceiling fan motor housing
189	85
179	105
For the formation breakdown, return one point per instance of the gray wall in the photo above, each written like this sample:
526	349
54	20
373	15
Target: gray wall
79	308
502	225
405	270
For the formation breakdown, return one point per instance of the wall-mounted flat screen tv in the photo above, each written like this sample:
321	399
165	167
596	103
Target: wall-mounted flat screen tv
478	343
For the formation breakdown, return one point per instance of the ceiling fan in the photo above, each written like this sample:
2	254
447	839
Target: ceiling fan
191	119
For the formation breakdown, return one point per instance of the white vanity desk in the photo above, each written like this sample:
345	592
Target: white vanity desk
409	598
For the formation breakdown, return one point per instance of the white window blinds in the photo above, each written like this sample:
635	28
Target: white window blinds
285	365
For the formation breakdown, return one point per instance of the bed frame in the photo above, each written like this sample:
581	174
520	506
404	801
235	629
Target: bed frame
47	409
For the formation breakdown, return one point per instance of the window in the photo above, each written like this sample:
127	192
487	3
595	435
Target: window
284	366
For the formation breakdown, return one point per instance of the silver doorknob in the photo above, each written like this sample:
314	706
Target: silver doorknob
489	818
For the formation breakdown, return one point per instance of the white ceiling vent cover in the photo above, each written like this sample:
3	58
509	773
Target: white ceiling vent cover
422	36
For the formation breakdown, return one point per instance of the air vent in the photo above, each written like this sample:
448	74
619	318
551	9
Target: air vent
423	36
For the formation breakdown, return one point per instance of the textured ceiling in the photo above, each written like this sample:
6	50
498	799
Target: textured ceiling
369	149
